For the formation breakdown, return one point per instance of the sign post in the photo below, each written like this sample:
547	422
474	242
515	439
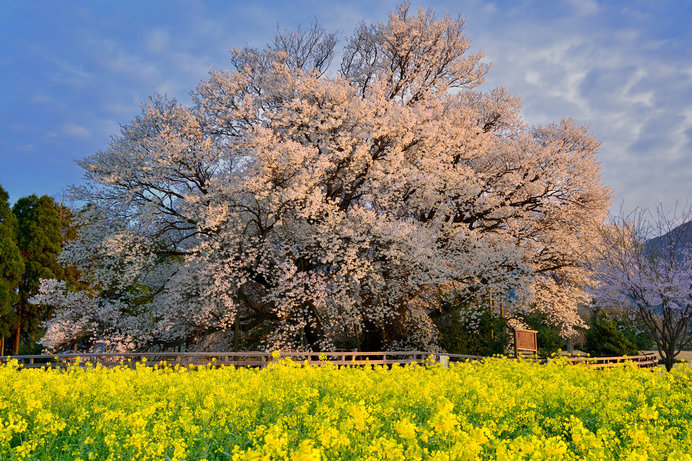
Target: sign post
525	341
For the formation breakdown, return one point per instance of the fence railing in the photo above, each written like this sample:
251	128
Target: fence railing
262	359
642	361
244	359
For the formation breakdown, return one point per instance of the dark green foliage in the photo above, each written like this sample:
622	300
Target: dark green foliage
31	347
11	266
40	242
40	237
32	235
603	338
547	332
469	328
634	331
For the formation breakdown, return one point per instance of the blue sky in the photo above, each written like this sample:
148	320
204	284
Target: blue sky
72	71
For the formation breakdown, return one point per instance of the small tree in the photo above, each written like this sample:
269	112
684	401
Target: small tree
650	277
633	329
604	338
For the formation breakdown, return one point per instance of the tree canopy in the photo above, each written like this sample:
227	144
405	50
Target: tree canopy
314	207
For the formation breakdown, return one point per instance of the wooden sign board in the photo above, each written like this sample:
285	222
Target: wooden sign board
525	341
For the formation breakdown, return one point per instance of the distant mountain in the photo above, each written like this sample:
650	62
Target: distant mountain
681	236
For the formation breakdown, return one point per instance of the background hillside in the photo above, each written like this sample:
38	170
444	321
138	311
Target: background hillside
681	235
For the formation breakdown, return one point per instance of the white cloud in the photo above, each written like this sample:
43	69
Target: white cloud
606	64
18	127
43	99
613	75
119	108
584	7
157	41
62	70
108	127
77	131
490	7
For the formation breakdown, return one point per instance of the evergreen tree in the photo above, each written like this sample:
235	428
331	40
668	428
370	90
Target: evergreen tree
40	239
603	338
11	268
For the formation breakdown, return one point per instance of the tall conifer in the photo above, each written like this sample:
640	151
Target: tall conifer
11	269
40	238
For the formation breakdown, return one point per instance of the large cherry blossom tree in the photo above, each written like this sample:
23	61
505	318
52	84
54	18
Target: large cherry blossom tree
315	206
645	267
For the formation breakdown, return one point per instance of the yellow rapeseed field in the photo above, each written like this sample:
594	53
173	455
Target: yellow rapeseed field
496	409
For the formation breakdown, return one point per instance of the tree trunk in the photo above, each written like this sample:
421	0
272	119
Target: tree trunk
15	350
2	346
357	339
236	334
669	357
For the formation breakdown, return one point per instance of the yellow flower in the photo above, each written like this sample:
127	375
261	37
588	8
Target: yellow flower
405	429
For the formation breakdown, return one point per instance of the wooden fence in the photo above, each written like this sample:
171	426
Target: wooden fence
262	359
642	361
244	359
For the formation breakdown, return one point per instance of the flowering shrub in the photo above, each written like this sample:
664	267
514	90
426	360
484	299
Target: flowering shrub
497	409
